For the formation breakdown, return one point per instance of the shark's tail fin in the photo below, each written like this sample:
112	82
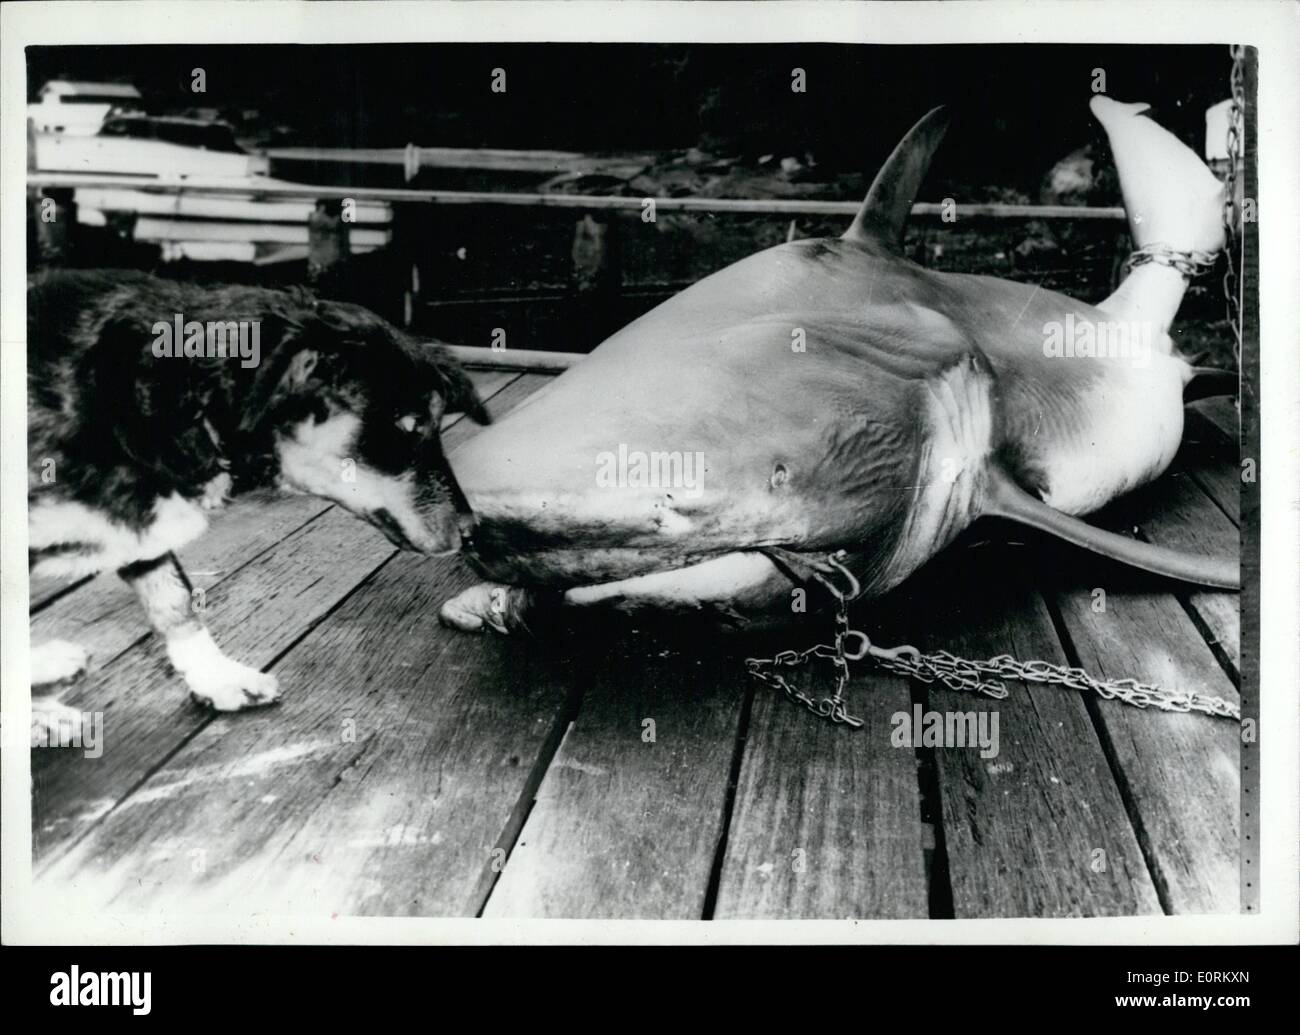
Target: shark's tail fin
1172	199
1170	195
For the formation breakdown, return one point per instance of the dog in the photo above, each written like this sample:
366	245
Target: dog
150	402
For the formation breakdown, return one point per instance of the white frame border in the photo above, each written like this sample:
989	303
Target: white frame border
1272	27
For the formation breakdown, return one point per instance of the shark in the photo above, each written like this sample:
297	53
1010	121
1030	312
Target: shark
831	398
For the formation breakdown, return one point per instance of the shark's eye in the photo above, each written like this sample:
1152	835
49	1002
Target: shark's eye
408	423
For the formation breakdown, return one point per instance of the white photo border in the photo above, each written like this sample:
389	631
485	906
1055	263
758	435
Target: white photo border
1272	26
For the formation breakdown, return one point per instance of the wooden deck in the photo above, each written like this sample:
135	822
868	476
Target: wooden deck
414	771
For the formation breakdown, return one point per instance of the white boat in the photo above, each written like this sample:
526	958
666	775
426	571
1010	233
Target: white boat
79	109
151	147
184	156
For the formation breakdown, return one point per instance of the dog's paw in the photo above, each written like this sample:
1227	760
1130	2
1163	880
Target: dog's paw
229	687
57	661
215	680
216	492
54	724
487	606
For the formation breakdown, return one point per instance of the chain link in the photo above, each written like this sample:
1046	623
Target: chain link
1231	277
1190	264
833	707
979	677
961	674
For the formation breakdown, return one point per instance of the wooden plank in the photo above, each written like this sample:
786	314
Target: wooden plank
1039	829
42	590
383	791
1211	454
1176	512
1178	773
256	613
531	360
422	828
105	616
827	820
487	383
626	826
1221	411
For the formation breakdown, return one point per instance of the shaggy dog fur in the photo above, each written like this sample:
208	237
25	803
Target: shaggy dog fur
130	443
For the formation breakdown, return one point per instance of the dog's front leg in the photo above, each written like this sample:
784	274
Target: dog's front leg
213	678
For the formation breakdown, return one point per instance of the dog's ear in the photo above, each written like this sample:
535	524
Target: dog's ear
458	391
287	373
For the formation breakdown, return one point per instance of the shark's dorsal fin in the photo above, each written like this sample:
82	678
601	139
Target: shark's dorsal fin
883	215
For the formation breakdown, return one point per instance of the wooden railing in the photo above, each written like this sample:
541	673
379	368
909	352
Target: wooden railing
586	202
597	282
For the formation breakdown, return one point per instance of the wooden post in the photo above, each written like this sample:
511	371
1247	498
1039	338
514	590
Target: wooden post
411	298
56	221
53	216
597	279
403	259
327	237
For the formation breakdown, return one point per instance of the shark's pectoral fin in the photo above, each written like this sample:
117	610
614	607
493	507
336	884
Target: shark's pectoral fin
884	213
1005	499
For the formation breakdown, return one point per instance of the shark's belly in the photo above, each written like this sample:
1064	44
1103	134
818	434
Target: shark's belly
1080	442
743	589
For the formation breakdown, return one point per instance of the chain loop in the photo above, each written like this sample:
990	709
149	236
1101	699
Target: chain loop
978	677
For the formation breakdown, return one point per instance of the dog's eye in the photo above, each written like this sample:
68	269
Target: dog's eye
408	423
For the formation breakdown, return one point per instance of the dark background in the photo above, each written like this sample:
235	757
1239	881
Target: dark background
713	120
1017	109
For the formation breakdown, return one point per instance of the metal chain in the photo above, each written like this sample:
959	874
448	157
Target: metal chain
1231	279
1190	264
954	672
960	674
833	707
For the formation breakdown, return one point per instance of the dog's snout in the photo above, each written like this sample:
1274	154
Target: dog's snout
436	532
443	530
